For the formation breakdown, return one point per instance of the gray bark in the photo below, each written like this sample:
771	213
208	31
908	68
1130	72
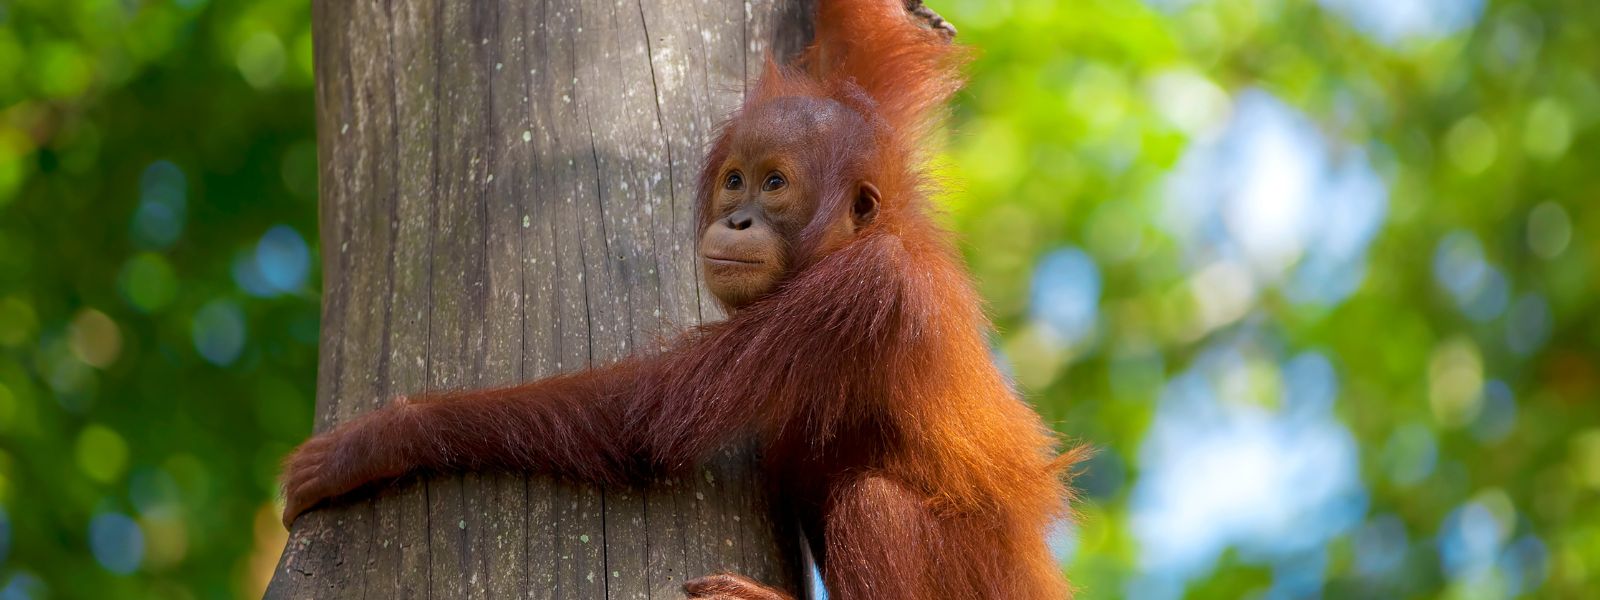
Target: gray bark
507	193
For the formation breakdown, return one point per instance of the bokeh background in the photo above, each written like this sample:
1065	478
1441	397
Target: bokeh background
1315	275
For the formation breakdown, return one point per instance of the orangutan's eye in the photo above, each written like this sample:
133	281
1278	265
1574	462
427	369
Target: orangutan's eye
774	182
734	181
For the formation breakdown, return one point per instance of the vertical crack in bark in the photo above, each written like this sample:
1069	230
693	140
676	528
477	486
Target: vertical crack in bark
433	229
666	137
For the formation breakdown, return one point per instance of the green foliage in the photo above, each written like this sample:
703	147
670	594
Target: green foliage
1076	118
145	148
158	331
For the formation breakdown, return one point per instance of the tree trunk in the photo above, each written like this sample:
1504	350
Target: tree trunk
507	193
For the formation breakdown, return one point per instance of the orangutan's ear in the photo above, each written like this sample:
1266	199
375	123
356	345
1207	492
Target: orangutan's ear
865	207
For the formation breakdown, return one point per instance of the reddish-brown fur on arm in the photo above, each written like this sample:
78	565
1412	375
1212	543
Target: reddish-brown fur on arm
569	425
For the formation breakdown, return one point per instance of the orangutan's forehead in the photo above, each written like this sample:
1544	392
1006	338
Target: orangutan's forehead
792	120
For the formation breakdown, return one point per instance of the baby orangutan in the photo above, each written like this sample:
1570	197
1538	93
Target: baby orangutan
854	352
